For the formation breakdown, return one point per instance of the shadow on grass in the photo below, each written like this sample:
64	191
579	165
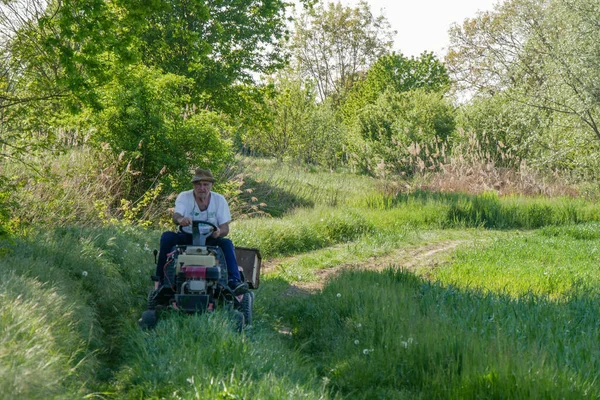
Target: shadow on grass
277	200
386	334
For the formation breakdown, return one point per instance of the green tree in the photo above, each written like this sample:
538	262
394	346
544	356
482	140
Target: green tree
67	63
541	53
334	45
398	73
294	125
323	140
147	118
217	43
289	110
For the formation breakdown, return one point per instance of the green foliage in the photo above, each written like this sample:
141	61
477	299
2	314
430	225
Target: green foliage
150	123
297	127
83	186
324	141
402	131
5	207
546	78
214	44
290	108
397	73
505	133
72	62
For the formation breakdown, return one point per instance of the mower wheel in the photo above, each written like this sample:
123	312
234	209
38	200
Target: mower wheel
246	307
152	299
238	317
148	320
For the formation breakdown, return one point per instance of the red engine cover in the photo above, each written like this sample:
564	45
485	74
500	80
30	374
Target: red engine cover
194	272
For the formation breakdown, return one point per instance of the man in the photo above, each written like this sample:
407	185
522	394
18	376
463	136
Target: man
202	204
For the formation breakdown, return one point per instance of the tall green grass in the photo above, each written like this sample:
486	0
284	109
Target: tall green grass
42	350
70	299
70	302
311	229
202	357
390	335
554	261
282	187
490	211
67	295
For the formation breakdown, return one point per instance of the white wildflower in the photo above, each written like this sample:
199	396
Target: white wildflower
404	344
339	295
367	351
84	273
358	325
356	341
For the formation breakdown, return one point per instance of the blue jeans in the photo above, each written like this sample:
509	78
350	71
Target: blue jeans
170	239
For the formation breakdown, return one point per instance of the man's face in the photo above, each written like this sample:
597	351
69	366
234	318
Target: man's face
202	189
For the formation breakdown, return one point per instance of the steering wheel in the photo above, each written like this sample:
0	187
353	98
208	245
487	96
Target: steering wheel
199	239
196	223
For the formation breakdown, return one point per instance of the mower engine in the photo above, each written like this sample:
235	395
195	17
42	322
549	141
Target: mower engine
197	275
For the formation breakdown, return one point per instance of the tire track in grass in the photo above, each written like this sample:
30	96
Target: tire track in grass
414	258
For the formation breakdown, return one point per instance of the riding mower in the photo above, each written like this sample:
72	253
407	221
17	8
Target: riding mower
195	281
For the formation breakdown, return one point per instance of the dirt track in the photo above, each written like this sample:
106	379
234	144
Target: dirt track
413	258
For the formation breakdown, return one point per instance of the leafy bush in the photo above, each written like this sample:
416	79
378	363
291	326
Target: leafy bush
398	73
149	122
499	131
404	131
83	185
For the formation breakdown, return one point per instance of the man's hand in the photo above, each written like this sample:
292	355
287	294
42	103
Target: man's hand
216	233
185	221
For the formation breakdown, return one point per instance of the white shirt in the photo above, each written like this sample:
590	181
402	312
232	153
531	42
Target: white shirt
217	212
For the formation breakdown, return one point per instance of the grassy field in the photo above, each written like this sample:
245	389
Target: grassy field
507	308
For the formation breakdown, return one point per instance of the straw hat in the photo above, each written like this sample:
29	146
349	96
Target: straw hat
203	175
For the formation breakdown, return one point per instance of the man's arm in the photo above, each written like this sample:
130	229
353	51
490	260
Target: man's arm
222	231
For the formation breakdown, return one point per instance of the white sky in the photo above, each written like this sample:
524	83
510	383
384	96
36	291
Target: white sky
422	25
